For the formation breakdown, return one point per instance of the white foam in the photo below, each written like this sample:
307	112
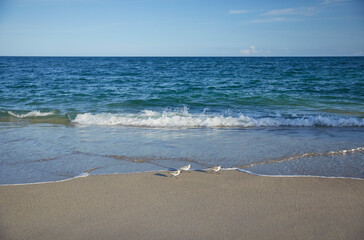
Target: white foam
311	154
85	174
182	118
295	176
32	114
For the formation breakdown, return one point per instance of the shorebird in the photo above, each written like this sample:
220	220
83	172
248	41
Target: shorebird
185	168
175	173
215	169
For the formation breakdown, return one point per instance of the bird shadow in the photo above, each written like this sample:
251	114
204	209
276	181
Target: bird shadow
160	175
200	170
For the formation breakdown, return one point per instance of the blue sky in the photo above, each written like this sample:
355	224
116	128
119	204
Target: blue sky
181	28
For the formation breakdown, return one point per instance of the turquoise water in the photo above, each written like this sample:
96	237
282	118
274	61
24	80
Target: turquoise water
61	117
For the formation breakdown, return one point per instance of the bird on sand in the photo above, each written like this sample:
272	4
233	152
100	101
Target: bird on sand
185	168
215	169
175	173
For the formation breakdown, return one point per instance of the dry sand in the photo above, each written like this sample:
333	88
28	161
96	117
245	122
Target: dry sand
197	205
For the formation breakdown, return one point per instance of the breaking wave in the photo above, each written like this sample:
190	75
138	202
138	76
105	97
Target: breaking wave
183	118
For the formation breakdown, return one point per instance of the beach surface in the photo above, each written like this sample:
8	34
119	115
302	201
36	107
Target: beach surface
196	205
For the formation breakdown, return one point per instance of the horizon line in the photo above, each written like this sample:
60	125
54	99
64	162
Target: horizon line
146	56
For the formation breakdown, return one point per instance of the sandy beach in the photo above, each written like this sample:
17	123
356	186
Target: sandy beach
196	205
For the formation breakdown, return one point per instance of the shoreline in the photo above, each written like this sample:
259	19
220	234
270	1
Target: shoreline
196	205
192	170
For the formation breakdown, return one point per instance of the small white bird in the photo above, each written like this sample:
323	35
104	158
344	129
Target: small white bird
175	173
185	168
216	169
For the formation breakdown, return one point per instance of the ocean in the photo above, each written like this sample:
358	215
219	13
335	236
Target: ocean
64	117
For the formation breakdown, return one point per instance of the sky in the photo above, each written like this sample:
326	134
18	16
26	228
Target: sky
181	28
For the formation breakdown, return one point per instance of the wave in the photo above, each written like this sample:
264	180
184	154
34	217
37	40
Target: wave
182	118
312	154
32	114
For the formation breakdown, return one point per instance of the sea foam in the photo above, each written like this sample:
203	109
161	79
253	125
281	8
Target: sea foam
149	118
31	114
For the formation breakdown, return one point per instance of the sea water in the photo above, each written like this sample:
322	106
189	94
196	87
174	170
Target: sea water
62	117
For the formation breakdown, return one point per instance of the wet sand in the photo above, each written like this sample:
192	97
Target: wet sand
196	205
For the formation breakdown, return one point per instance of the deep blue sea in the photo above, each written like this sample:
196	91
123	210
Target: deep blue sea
63	117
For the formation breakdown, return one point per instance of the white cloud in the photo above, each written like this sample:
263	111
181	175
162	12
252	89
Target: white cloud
267	20
238	11
252	49
245	51
289	14
249	51
285	14
333	1
306	11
